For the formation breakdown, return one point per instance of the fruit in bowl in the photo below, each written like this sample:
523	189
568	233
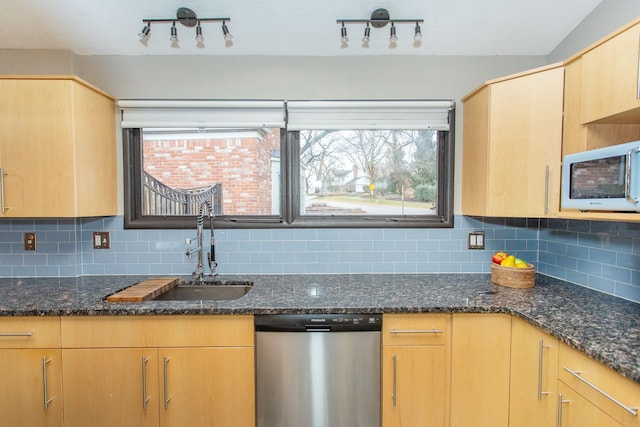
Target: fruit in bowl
498	257
503	259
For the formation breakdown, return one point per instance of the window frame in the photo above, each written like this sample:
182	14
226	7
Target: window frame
290	216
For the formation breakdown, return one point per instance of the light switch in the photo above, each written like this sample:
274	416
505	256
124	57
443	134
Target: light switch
101	240
476	240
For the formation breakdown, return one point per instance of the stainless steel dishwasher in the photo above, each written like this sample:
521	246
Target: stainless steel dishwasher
318	370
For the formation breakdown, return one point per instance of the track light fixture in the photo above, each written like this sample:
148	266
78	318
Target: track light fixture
188	18
380	18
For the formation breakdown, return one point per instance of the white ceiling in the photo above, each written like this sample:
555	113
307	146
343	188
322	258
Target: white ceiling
293	27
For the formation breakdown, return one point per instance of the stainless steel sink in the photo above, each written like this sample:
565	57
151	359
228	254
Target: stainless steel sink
206	291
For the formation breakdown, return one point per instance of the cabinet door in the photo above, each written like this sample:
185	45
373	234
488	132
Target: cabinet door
576	411
31	388
610	77
512	146
534	376
525	145
207	387
37	147
414	386
480	370
111	387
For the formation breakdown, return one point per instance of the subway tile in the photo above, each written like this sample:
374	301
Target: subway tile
626	291
616	273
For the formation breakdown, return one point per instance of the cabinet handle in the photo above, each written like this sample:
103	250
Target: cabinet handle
145	398
638	92
416	331
627	179
44	383
632	411
560	403
16	334
165	361
540	392
2	206
546	190
395	366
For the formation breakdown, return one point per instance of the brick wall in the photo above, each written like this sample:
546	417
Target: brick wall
241	164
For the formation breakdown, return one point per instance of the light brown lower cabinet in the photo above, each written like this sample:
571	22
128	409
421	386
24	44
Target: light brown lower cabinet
111	387
576	411
191	371
612	399
31	387
533	377
480	364
30	372
415	370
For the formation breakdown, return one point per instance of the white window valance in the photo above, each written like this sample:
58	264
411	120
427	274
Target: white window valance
142	113
369	114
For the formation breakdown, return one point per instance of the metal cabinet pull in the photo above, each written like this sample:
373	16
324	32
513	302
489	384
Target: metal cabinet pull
2	206
546	190
540	392
638	87
416	331
165	361
627	180
44	383
16	334
560	402
632	411
145	398
393	395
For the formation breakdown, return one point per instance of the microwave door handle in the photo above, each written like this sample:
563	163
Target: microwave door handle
627	178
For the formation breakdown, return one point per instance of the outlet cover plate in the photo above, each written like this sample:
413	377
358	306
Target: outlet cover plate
101	240
29	241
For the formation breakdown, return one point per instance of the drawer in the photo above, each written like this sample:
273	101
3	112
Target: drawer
600	385
416	329
30	332
157	331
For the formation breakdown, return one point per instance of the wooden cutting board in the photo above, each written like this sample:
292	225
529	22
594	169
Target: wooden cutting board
144	291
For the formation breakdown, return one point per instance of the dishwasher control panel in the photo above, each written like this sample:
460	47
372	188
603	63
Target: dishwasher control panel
318	322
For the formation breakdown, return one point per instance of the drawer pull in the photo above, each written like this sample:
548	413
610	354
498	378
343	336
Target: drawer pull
145	398
416	331
395	378
3	208
167	398
46	399
561	401
16	334
632	411
540	351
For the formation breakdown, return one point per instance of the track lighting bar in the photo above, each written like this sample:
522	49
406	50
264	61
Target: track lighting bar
188	18
380	18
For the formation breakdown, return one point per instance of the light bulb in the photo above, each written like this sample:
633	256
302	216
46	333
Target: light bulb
343	34
367	34
174	34
394	37
418	33
144	33
199	36
227	35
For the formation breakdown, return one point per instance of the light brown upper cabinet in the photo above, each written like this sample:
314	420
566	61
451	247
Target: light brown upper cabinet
610	78
601	106
57	148
512	139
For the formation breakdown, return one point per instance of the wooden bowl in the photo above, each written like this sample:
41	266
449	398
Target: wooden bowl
513	277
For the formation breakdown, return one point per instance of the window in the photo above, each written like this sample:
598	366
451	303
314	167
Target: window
328	168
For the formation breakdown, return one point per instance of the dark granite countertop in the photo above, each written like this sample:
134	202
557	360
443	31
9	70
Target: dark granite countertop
602	326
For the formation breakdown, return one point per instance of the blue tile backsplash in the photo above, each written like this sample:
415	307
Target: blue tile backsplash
599	255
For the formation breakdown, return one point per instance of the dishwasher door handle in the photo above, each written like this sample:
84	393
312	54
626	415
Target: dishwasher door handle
317	328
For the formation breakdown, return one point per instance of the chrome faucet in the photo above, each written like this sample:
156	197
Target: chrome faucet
198	274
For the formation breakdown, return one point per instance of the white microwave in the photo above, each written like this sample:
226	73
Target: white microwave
605	179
